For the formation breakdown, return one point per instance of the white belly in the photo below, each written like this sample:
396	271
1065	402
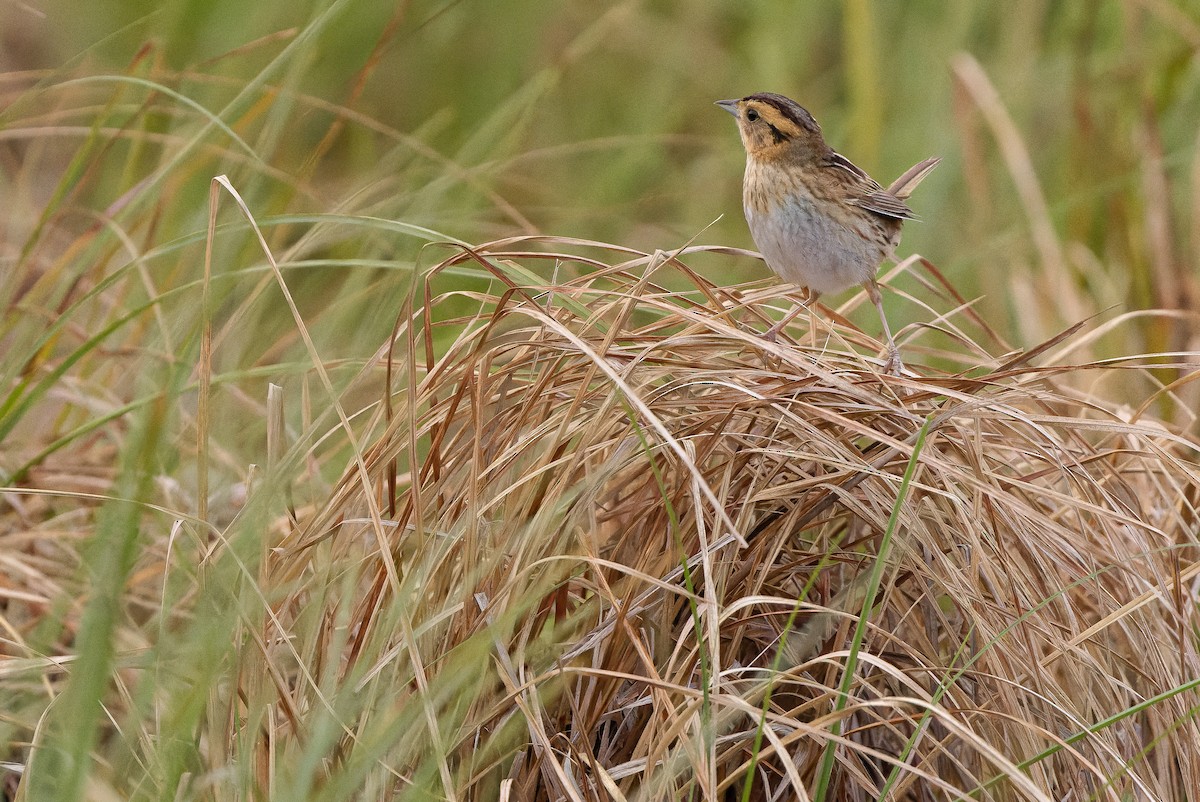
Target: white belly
813	250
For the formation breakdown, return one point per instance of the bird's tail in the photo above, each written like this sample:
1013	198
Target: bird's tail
903	186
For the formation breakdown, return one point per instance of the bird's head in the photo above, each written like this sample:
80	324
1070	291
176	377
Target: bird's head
773	126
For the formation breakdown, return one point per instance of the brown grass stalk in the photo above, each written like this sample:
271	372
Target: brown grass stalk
580	463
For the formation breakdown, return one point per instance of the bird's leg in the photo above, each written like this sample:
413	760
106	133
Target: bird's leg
893	365
773	332
813	295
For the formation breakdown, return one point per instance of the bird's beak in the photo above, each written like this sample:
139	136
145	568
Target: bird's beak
730	106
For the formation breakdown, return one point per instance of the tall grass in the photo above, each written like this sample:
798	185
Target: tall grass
531	516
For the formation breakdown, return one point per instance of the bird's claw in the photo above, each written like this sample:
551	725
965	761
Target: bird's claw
893	366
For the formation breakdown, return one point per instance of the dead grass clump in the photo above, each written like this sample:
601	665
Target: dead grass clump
613	504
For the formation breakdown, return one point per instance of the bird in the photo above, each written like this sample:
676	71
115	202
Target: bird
817	219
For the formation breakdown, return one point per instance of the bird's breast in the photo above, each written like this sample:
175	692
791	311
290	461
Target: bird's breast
809	236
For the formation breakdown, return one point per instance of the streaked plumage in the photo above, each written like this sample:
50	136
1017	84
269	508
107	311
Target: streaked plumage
818	220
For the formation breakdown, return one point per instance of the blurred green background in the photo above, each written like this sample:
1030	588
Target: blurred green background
595	119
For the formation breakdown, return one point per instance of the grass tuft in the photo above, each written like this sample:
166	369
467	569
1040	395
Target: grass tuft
561	605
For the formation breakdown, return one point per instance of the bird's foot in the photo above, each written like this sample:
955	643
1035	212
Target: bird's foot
893	366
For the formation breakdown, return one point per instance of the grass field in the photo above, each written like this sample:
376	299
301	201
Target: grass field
383	413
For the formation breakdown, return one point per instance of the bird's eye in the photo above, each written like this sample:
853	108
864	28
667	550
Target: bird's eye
752	115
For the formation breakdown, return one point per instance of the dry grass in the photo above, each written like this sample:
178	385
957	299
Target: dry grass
613	500
604	542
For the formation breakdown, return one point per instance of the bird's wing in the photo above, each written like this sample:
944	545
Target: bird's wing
868	194
883	203
842	163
